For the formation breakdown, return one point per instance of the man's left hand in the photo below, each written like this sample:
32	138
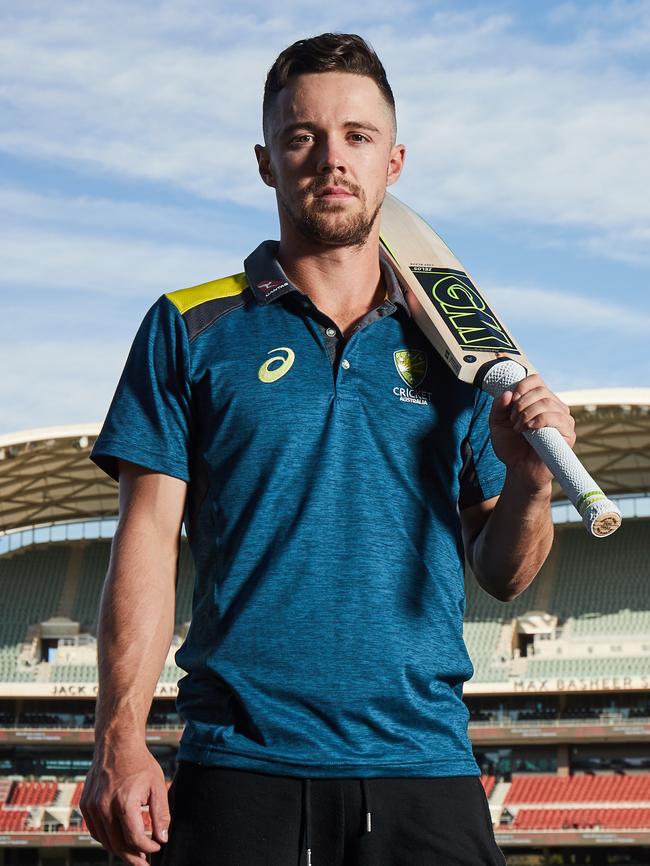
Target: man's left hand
529	406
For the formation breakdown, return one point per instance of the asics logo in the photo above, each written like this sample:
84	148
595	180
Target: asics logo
277	366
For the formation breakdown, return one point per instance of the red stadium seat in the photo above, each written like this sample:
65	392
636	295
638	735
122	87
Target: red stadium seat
582	819
488	783
76	796
32	794
13	820
578	789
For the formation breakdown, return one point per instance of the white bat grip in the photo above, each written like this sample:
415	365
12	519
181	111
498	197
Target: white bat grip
600	515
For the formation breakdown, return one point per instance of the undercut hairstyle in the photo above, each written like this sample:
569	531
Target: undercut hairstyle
329	52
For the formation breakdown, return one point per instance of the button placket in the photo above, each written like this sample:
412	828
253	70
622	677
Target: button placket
347	368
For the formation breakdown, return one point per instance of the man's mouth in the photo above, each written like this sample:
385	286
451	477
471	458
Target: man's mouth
333	192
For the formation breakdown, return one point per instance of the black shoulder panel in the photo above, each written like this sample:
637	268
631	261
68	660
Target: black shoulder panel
202	305
199	318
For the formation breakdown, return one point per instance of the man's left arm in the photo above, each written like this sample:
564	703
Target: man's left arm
507	538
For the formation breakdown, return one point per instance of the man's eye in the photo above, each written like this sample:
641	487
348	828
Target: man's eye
358	136
305	138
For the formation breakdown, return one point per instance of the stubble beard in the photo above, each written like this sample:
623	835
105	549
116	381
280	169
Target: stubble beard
314	221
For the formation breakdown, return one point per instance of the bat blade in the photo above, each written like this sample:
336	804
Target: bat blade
465	331
443	299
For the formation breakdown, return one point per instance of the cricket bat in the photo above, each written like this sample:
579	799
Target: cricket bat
478	348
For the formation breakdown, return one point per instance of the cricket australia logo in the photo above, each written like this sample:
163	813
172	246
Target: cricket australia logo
412	366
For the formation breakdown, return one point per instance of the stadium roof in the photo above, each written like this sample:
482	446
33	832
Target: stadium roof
613	427
46	476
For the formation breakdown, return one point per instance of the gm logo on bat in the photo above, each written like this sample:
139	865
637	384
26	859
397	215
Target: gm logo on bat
464	310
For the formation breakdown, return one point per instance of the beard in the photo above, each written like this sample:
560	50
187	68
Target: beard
315	223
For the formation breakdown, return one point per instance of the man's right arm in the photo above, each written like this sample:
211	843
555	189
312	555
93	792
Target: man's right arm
136	625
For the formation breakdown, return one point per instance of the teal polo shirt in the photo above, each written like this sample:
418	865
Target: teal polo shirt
325	479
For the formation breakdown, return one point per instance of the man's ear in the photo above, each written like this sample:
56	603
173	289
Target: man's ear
395	163
264	164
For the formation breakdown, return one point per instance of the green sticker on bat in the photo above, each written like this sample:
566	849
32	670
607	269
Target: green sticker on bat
465	312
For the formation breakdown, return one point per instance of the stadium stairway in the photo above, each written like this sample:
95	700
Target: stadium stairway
71	579
496	800
67	791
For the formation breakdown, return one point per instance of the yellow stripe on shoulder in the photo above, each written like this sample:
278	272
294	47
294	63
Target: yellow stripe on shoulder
226	287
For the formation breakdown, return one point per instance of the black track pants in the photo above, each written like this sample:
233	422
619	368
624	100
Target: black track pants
224	817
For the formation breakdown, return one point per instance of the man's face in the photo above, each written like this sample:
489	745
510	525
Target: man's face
330	156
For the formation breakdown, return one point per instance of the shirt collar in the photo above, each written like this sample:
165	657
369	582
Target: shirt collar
269	282
394	290
265	276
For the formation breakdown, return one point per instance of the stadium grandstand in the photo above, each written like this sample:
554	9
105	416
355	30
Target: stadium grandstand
559	704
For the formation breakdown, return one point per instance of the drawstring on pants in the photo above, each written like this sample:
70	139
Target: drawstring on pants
306	808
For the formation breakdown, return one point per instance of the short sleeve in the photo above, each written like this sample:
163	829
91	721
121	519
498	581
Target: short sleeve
149	419
482	474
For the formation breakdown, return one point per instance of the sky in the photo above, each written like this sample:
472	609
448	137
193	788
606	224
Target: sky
127	170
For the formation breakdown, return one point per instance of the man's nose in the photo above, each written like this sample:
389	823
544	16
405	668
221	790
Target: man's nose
330	156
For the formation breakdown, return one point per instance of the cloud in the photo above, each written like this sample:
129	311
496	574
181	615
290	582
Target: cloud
115	247
549	136
538	308
60	382
577	341
532	128
101	215
502	124
119	267
630	247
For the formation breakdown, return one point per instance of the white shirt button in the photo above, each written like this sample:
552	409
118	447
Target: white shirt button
345	364
330	332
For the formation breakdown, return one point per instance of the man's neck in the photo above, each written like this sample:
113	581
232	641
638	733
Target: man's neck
343	282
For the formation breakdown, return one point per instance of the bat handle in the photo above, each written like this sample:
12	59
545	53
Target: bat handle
600	515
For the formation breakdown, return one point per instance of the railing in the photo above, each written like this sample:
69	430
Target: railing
73	531
604	718
77	530
635	505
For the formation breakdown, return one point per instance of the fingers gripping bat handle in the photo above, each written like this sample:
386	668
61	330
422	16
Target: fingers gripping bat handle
600	515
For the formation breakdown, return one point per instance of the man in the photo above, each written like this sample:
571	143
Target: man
328	521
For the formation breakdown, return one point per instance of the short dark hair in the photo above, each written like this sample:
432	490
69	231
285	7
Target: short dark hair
329	52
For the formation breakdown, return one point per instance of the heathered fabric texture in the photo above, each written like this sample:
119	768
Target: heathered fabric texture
326	637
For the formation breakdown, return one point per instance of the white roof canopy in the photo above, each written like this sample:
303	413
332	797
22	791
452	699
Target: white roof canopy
46	476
